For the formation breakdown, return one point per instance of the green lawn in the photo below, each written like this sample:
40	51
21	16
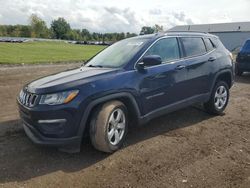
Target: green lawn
45	52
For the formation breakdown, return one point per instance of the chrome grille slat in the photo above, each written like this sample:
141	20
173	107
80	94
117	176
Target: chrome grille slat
28	99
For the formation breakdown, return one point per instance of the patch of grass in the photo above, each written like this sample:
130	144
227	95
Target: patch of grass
45	52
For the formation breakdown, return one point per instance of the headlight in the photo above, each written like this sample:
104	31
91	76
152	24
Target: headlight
58	98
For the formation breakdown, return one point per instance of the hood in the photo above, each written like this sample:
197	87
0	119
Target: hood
68	79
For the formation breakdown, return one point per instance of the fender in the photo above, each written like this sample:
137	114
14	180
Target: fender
218	74
95	102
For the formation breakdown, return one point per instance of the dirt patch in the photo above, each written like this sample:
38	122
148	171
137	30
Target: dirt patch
187	148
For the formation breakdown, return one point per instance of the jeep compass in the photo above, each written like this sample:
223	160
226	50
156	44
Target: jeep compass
136	79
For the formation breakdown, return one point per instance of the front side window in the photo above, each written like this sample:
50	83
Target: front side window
167	49
193	46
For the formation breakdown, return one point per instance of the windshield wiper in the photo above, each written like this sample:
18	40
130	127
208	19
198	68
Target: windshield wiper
95	66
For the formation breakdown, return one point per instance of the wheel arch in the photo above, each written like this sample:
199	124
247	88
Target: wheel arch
125	97
226	76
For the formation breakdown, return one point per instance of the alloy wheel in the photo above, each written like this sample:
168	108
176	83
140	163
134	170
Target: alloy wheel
220	98
116	126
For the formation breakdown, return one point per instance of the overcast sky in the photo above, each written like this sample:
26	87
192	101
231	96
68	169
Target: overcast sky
125	15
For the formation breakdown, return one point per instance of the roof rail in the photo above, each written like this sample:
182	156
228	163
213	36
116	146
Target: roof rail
169	31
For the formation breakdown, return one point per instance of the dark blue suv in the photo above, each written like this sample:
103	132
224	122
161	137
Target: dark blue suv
136	79
243	59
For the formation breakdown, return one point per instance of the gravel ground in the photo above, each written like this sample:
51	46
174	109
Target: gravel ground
187	148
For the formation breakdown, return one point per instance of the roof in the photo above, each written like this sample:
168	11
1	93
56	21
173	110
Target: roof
219	27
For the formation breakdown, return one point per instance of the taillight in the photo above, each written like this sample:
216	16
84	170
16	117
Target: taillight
231	56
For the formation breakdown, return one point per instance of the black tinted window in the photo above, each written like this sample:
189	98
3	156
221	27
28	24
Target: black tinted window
193	46
167	48
246	47
209	44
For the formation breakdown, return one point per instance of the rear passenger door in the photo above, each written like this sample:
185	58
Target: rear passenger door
198	65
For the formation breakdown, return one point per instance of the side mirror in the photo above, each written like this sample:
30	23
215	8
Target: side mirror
148	61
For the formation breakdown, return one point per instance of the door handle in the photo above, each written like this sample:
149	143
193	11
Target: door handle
180	67
212	59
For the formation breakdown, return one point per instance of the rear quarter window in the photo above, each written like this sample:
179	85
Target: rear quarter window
217	43
193	46
209	44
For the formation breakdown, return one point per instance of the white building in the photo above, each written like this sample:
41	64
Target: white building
232	35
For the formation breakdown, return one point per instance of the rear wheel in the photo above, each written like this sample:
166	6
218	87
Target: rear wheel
218	99
108	126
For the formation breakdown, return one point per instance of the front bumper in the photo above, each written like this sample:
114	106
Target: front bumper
39	139
52	125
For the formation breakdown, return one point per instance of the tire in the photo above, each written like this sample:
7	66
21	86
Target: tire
219	99
107	130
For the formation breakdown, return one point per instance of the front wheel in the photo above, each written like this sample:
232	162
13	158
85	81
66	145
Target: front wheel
108	126
219	99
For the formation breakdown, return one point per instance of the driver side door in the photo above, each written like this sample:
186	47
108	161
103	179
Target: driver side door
163	85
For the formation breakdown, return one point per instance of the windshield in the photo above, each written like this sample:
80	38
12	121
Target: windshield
117	54
246	47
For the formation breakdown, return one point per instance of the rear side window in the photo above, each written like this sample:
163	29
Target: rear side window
167	49
246	47
193	46
209	44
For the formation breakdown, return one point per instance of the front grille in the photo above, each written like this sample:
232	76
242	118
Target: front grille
28	99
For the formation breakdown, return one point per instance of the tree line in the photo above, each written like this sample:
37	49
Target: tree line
61	29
